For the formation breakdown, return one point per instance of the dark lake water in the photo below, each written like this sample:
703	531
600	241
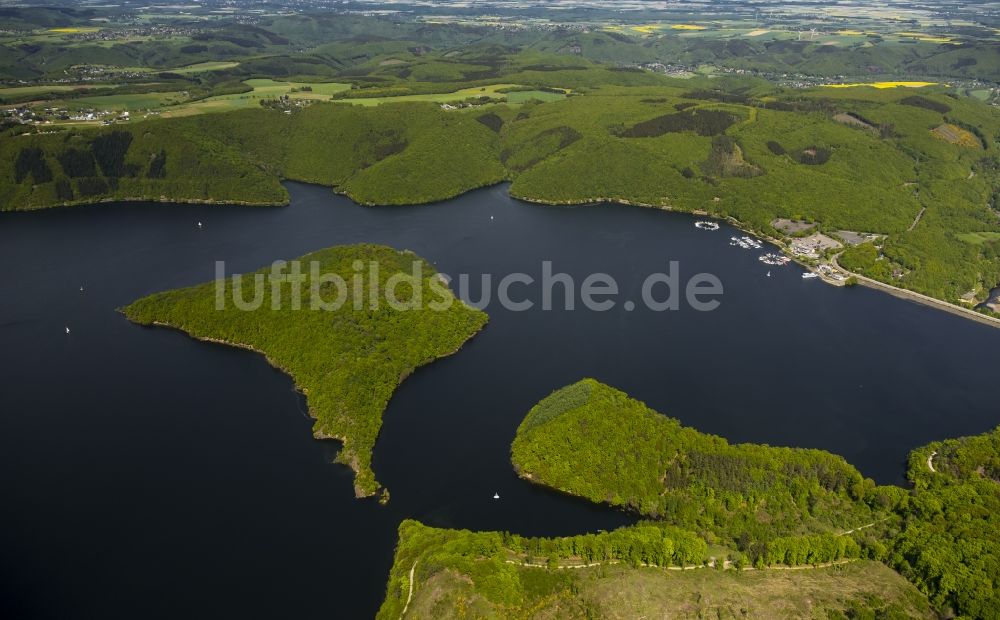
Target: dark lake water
144	474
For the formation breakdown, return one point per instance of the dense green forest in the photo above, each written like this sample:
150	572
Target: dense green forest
949	545
591	440
441	573
406	153
156	161
347	360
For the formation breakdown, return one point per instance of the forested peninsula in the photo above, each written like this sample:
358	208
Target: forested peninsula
777	505
347	360
735	530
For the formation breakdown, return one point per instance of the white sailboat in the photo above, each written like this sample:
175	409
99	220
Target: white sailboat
496	496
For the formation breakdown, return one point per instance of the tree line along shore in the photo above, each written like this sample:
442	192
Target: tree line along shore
725	508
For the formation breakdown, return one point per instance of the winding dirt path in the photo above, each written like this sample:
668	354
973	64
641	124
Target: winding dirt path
726	565
409	595
861	527
930	462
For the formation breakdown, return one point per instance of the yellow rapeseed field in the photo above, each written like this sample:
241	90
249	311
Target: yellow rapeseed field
72	30
883	84
924	37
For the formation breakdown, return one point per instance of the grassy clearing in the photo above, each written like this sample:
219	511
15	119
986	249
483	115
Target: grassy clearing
953	134
979	238
820	593
854	121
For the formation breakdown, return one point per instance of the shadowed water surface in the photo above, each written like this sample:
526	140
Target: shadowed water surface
144	474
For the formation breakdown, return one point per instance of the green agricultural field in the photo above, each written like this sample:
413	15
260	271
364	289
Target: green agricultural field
523	96
139	101
20	92
262	89
493	91
202	67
